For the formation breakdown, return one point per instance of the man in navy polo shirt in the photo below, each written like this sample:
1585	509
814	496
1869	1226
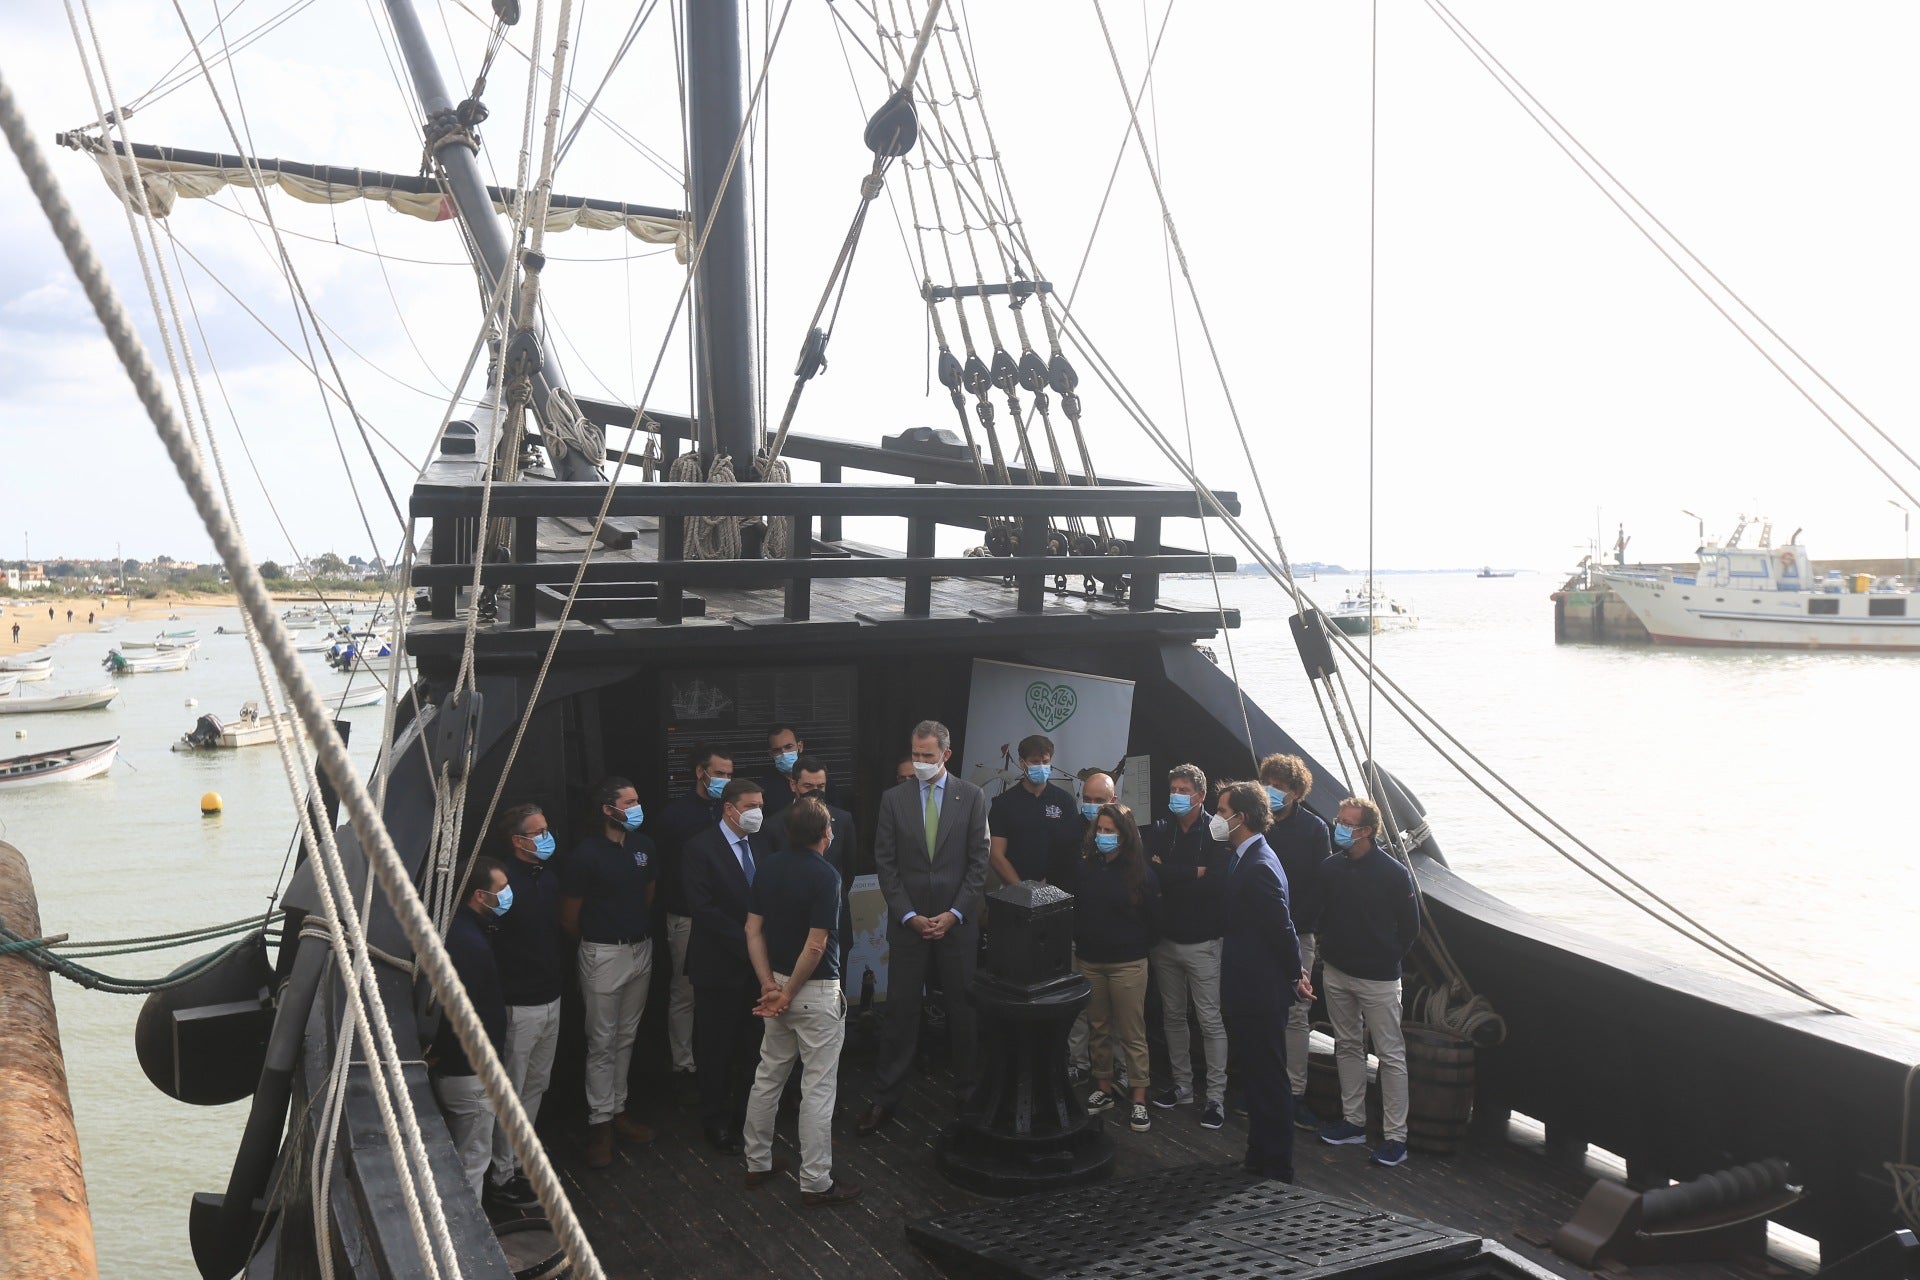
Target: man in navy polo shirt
531	948
463	1101
1030	823
607	902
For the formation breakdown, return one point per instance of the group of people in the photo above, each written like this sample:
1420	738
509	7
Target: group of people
1223	906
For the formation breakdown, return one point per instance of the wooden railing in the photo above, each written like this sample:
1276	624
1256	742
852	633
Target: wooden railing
455	508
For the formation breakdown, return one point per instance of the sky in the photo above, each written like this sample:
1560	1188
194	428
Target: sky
1446	347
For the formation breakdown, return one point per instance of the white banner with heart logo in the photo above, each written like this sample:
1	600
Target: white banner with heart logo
1087	717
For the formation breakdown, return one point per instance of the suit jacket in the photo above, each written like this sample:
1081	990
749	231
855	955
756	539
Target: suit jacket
846	839
950	876
717	901
1259	955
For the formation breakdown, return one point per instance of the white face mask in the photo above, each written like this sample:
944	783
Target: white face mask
926	771
1219	828
750	820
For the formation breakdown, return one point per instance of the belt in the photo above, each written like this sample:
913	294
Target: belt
626	941
781	978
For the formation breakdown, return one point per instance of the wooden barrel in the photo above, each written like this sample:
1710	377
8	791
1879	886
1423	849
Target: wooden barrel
532	1249
1439	1088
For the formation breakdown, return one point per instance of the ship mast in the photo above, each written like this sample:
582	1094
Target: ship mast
461	165
726	371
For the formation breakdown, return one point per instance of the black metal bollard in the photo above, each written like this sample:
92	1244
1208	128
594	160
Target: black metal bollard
1026	1129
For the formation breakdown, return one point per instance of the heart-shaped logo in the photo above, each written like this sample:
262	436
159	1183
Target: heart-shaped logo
1051	705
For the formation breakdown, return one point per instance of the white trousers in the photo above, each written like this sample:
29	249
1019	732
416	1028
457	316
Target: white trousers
680	994
1183	972
532	1032
1300	1021
1364	1009
812	1029
614	977
469	1119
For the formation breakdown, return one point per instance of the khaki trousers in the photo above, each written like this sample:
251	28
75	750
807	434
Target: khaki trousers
813	1029
1300	1020
532	1032
1365	1009
1118	1012
614	977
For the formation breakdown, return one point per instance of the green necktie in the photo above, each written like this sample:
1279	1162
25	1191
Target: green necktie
933	819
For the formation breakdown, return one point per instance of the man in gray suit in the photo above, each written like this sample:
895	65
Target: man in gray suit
930	852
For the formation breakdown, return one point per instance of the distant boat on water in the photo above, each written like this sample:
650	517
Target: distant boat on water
64	764
1369	611
1489	571
83	700
163	660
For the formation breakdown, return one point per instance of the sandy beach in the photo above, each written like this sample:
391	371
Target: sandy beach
92	612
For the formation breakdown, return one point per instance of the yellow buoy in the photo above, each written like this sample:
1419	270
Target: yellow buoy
210	803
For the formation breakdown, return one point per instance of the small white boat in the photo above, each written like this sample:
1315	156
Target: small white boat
139	644
321	645
248	729
190	633
67	764
300	618
33	675
7	682
84	700
351	698
172	660
39	660
1369	610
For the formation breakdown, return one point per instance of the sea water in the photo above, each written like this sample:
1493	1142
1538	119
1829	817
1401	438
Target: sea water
1760	791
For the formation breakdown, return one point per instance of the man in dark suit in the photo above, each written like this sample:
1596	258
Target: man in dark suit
930	851
720	863
809	778
1259	975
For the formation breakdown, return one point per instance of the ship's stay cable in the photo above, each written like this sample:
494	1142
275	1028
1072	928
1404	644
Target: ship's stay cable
179	75
1645	222
1418	718
387	868
185	448
592	540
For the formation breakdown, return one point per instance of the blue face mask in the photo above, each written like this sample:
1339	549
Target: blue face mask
1179	805
1343	835
631	817
1106	843
1038	773
785	761
714	787
543	845
1089	811
503	900
1277	798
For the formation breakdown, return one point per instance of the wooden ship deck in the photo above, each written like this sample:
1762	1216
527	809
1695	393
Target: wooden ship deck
679	1207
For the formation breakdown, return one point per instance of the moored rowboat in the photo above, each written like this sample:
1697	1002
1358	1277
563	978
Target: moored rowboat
67	764
83	700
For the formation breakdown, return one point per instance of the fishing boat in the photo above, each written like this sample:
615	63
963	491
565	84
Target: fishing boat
350	699
81	700
636	598
1768	597
248	729
34	674
121	665
1370	611
40	660
66	764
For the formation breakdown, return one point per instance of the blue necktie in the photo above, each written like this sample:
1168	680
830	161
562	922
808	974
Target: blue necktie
746	861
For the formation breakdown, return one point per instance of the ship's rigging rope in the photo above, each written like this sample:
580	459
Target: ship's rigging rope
1645	222
387	868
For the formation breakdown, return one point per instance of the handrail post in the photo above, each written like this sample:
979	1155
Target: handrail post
673	548
920	530
1144	594
1033	542
800	585
830	473
442	550
526	550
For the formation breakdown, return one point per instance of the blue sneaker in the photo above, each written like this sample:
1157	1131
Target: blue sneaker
1390	1153
1343	1135
1303	1117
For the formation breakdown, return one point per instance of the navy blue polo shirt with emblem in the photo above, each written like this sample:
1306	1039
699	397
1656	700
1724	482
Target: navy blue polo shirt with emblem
794	892
610	878
1035	827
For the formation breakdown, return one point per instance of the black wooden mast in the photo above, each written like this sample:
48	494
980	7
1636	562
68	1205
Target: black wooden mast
726	371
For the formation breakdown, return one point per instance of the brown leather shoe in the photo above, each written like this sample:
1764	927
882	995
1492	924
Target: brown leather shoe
632	1130
838	1193
599	1146
760	1177
871	1122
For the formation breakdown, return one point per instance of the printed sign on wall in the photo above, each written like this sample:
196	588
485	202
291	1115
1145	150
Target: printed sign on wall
1086	716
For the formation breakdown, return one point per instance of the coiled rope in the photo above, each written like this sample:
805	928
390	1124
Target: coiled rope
708	537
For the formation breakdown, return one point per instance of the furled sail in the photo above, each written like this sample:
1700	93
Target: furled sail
170	175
